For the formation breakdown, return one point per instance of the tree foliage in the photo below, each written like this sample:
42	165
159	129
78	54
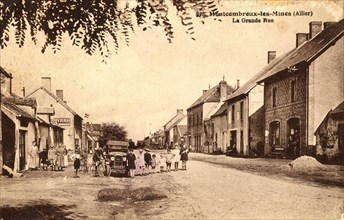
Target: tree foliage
93	24
112	131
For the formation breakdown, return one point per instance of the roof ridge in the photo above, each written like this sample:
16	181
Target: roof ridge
56	98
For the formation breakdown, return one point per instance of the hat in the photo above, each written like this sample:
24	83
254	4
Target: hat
141	150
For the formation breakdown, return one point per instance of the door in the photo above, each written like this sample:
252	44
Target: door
22	145
233	143
293	145
8	141
241	142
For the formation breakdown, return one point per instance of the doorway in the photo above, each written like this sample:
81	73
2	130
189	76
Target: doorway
293	138
22	147
233	142
8	141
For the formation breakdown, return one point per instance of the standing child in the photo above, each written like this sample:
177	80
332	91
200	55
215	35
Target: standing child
176	157
76	157
131	163
154	163
169	158
148	161
184	156
162	163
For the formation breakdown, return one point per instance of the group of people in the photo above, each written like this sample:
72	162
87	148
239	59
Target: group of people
146	162
55	156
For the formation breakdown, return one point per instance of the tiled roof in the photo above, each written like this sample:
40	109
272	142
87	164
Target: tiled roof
338	109
252	82
174	121
57	99
308	51
16	110
42	121
222	110
3	71
213	110
211	95
22	101
182	130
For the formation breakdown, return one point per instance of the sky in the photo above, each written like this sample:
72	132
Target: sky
143	85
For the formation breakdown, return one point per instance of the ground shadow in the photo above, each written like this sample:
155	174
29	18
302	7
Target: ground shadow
39	209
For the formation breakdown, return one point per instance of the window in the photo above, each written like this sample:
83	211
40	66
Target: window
241	110
274	97
292	91
275	133
233	112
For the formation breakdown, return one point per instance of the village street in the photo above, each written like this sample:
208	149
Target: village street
204	191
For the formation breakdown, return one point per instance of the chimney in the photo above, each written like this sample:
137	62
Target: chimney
223	89
204	91
271	55
328	24
238	83
46	83
301	38
314	28
23	91
179	111
59	93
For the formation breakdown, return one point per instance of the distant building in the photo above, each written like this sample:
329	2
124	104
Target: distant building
168	127
91	134
302	87
64	115
218	130
197	112
179	132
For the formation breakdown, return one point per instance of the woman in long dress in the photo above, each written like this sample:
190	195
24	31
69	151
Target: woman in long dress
65	159
60	157
33	156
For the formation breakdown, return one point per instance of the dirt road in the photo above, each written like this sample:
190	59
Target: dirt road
204	191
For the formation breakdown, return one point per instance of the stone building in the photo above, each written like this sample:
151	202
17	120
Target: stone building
245	113
64	116
219	134
300	90
330	136
19	126
198	111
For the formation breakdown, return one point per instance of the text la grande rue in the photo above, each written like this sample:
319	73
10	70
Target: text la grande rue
253	20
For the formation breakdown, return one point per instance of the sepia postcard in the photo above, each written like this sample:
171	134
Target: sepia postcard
172	109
